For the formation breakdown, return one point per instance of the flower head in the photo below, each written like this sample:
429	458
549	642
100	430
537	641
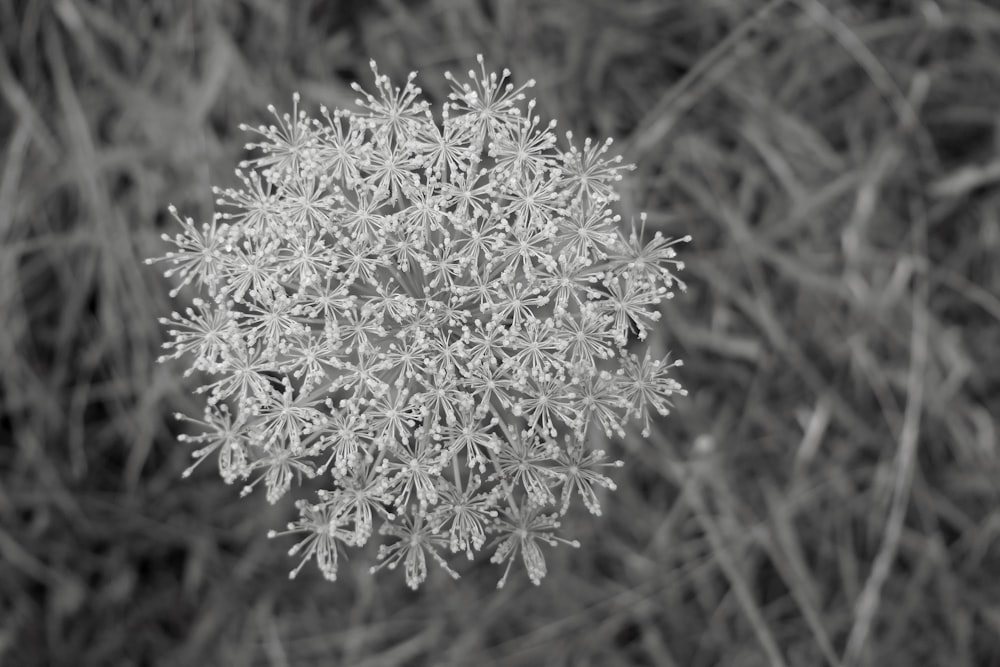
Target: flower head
429	311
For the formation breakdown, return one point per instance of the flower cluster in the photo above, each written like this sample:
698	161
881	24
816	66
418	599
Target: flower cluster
429	312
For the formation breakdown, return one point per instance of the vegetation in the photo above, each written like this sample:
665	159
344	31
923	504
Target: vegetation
826	493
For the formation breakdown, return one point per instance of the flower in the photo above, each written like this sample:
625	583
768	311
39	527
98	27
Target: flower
578	467
325	533
416	540
467	514
427	311
646	383
223	437
520	530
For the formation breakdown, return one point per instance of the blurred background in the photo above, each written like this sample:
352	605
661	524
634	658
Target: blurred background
826	494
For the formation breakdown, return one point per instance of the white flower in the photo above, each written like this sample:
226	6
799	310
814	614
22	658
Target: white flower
428	310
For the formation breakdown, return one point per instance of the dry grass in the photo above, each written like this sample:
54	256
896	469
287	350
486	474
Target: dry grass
828	494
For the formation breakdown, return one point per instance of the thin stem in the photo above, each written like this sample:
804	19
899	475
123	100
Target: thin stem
457	472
